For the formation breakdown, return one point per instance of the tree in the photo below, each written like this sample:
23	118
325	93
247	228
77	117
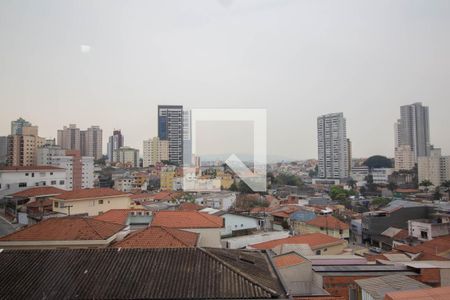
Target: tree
288	179
378	161
338	193
380	202
392	186
437	194
351	183
426	184
446	184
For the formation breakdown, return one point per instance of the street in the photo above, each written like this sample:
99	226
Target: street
5	227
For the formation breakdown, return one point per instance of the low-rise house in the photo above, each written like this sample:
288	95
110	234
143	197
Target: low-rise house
439	246
220	200
328	225
208	226
30	202
237	225
178	273
17	178
132	218
427	229
356	230
240	242
391	237
377	287
320	243
66	232
159	237
90	202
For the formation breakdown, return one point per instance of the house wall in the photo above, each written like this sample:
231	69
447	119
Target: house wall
330	250
298	273
9	180
305	228
235	222
209	237
91	207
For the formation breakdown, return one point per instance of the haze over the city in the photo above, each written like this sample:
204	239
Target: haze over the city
110	63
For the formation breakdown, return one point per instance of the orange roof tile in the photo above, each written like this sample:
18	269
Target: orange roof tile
118	216
39	191
65	229
40	203
314	240
159	237
434	247
89	193
440	293
189	206
186	219
288	260
329	222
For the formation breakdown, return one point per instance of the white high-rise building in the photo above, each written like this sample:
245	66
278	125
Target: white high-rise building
435	167
404	158
413	130
155	151
45	154
332	146
170	128
75	178
187	138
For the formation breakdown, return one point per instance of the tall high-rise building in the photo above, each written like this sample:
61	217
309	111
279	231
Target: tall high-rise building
434	167
22	147
413	130
404	158
170	128
127	157
17	125
155	151
187	138
93	142
332	146
69	138
3	149
114	143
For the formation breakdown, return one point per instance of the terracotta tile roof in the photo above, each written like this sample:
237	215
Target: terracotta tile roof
163	196
440	293
65	229
186	219
29	168
401	235
39	203
314	240
39	191
281	214
288	260
89	193
434	247
329	222
159	237
141	196
118	216
320	298
189	206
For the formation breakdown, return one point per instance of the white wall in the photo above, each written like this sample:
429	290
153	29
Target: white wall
236	222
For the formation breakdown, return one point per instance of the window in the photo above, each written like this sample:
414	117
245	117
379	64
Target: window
318	252
26	174
61	182
321	228
56	203
32	174
22	184
424	234
53	182
51	173
341	231
100	201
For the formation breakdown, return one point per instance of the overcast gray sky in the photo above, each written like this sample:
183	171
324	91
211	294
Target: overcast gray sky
297	59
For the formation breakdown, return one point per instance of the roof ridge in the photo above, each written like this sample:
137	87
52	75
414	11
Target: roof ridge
175	237
206	216
93	228
240	273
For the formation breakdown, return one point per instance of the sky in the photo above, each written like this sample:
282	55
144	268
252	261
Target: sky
110	63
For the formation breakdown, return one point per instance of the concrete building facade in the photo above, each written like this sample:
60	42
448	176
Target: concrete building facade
155	151
170	128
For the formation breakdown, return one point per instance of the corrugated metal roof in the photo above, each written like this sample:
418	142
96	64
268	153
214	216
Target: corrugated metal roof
377	287
184	273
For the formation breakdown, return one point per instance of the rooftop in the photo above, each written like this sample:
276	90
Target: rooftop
39	192
434	247
288	260
329	222
65	229
118	216
440	293
178	273
30	168
159	237
186	219
314	240
377	287
89	193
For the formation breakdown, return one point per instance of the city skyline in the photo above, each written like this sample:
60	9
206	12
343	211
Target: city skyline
298	60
